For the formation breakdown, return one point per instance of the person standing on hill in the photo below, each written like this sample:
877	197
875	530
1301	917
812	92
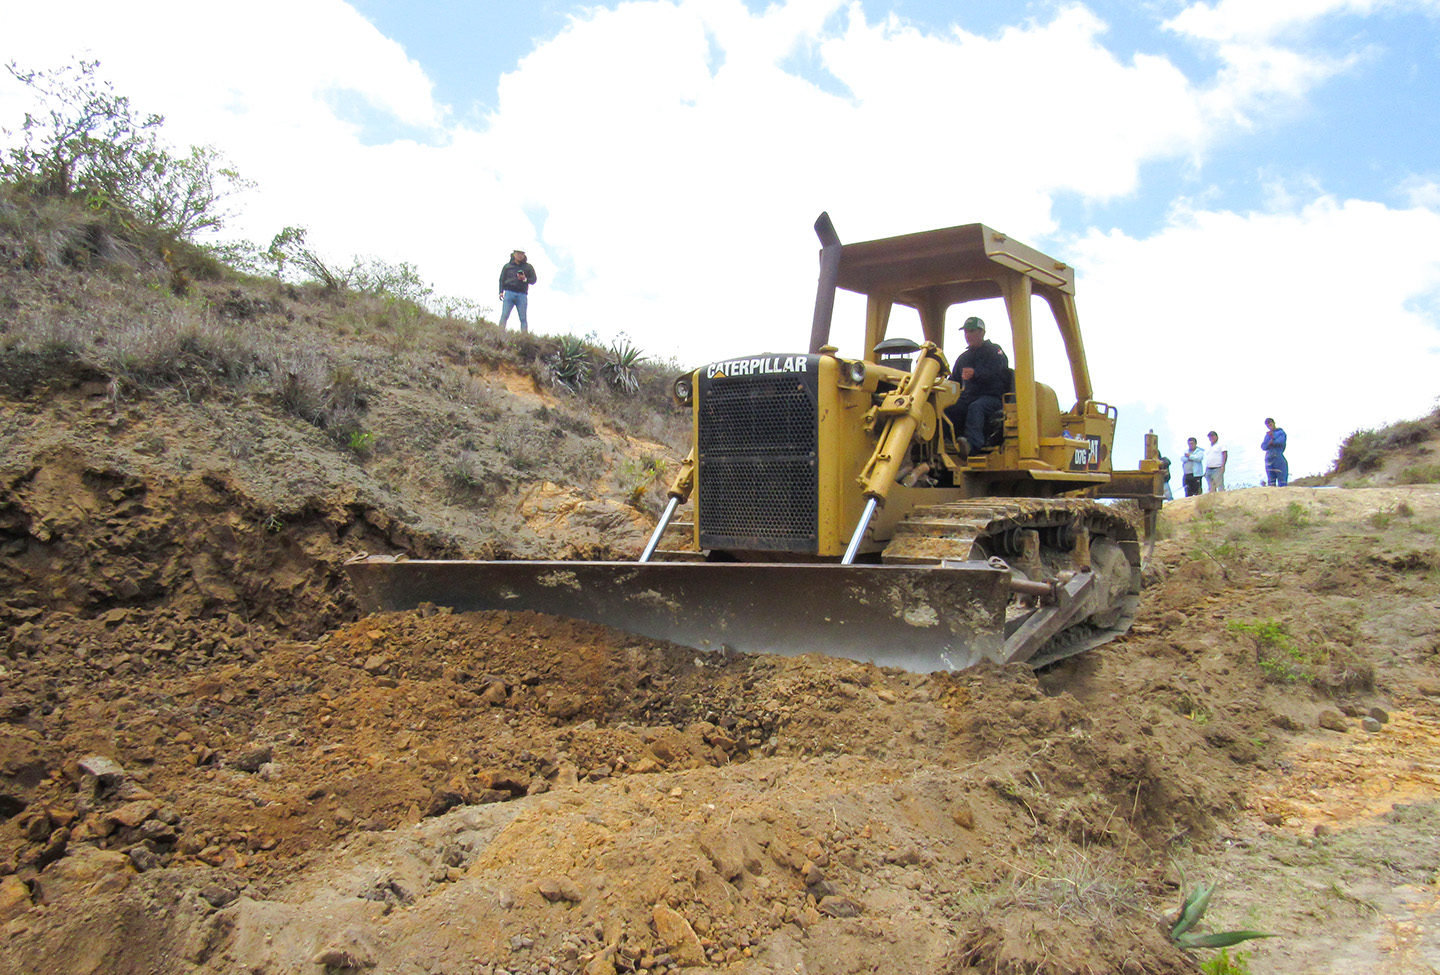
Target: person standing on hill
1192	469
1215	457
516	277
1277	468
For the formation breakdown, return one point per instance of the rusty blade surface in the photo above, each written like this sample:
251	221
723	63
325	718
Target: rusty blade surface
920	618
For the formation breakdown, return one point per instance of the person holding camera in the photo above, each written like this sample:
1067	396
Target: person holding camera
516	277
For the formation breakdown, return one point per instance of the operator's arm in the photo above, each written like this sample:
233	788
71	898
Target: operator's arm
991	370
961	364
529	273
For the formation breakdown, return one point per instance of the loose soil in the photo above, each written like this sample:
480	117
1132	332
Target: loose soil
187	788
211	763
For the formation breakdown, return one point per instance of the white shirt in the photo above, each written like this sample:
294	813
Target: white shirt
1215	455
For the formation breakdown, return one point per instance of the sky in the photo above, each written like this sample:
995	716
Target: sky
1249	190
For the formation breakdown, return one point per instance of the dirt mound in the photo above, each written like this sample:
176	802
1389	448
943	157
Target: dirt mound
209	764
513	792
561	779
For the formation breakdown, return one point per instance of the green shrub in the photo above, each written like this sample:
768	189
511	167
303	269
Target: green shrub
1285	522
360	442
1227	964
1419	474
1276	652
1365	450
86	142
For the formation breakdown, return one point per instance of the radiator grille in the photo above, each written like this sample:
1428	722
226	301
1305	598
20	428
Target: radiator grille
758	470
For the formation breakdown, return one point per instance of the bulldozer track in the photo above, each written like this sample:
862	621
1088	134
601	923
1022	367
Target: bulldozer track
978	530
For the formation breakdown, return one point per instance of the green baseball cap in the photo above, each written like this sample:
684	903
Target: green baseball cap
974	324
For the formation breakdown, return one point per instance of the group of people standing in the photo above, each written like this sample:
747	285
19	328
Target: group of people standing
1203	468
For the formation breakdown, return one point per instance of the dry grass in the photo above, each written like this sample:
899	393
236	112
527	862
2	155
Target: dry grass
1366	450
1092	886
408	395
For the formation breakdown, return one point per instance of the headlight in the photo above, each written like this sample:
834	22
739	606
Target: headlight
855	372
684	390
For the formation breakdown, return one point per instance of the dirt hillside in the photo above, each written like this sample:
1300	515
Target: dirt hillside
210	763
524	794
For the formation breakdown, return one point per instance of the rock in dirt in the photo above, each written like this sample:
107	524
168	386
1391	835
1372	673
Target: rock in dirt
836	906
144	858
93	871
107	772
14	898
252	758
352	948
678	936
1370	724
559	889
602	964
1332	721
132	814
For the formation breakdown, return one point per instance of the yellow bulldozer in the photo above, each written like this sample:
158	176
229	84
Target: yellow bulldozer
828	505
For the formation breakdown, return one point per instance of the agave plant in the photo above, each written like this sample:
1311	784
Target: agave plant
619	366
1191	911
570	364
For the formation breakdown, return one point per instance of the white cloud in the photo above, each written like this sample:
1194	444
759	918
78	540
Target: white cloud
1310	315
661	163
1247	21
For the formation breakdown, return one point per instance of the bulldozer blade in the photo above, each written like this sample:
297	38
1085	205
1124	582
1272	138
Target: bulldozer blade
919	618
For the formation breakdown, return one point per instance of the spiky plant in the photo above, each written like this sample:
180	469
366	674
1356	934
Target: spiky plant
619	366
570	364
1191	911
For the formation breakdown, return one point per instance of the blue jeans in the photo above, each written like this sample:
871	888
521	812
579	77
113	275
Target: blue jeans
969	415
1277	469
517	300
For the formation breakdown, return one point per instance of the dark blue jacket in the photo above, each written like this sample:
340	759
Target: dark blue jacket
510	277
992	370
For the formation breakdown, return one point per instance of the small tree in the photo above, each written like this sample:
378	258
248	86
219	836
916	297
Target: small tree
85	138
88	142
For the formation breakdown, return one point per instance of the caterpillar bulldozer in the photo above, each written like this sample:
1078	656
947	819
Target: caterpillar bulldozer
827	506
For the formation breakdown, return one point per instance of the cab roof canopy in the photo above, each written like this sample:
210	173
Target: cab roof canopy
937	269
940	268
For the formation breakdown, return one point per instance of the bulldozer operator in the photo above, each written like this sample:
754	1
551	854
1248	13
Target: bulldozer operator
984	371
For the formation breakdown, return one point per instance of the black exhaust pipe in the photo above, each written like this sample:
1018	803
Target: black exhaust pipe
829	281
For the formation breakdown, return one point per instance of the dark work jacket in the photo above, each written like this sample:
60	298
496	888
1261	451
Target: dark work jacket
992	370
515	285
